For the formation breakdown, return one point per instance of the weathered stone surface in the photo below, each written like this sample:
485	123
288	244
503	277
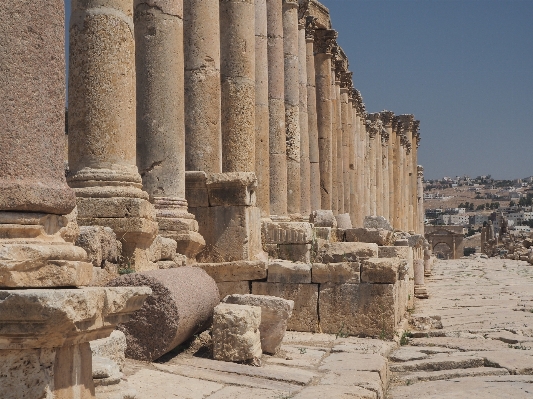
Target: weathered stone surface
338	273
235	332
181	305
440	362
162	249
425	322
407	354
378	236
377	222
235	271
275	313
100	243
105	370
293	252
337	392
226	288
395	252
305	296
112	347
323	218
343	221
287	232
516	362
338	252
383	270
358	309
280	271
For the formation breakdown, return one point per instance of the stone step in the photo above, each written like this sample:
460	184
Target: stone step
448	374
440	362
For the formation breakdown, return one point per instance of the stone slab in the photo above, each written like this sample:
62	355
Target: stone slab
335	392
338	273
235	271
450	374
233	287
382	270
280	271
305	296
378	236
337	252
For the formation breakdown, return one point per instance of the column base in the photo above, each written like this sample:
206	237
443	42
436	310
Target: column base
34	253
421	292
44	341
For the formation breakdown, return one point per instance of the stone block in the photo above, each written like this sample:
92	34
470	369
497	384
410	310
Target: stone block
235	271
196	189
402	242
275	312
378	236
235	333
322	233
382	270
235	188
323	218
230	232
395	252
294	252
180	306
358	309
226	288
112	347
343	221
115	207
377	222
280	271
305	296
287	232
338	252
100	243
105	371
338	273
189	243
162	249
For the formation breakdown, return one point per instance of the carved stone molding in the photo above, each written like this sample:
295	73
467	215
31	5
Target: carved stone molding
325	41
310	27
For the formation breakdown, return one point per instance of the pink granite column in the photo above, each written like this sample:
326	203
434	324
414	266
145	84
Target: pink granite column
237	72
305	166
292	106
262	157
276	109
201	53
324	42
314	158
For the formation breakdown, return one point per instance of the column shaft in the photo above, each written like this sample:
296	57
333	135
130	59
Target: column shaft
262	158
292	105
346	113
237	72
353	162
203	135
276	110
305	166
339	154
379	172
334	134
372	170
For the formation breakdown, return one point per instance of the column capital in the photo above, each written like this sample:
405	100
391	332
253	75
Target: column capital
373	125
303	11
384	135
420	171
310	27
359	104
387	118
325	41
346	80
290	3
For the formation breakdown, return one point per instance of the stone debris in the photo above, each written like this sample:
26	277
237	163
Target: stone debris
323	218
112	347
236	334
377	222
275	313
180	306
382	237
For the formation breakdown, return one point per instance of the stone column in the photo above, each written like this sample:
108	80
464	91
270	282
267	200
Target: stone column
305	166
334	134
379	167
398	173
314	158
276	110
387	119
102	126
339	148
160	126
346	113
385	171
372	184
262	157
406	124
360	167
354	199
292	106
324	42
420	198
237	72
201	53
45	334
415	218
365	181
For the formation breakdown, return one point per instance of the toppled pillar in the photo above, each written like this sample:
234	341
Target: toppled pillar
180	306
160	119
420	287
225	206
102	127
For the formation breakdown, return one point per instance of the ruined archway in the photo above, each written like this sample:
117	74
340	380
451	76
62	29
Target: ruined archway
440	237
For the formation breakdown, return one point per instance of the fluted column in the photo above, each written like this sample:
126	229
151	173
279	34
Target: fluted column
203	135
276	109
324	42
237	72
305	167
262	158
334	136
314	158
346	114
102	126
292	106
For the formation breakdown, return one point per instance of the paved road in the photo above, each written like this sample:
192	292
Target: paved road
485	347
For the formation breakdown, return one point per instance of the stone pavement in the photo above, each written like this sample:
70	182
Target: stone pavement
485	348
309	366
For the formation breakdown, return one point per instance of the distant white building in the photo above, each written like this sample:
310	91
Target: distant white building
516	217
480	219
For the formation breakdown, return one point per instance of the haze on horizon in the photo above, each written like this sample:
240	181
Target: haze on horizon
462	67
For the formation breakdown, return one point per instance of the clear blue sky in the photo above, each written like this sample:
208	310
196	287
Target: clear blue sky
463	67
